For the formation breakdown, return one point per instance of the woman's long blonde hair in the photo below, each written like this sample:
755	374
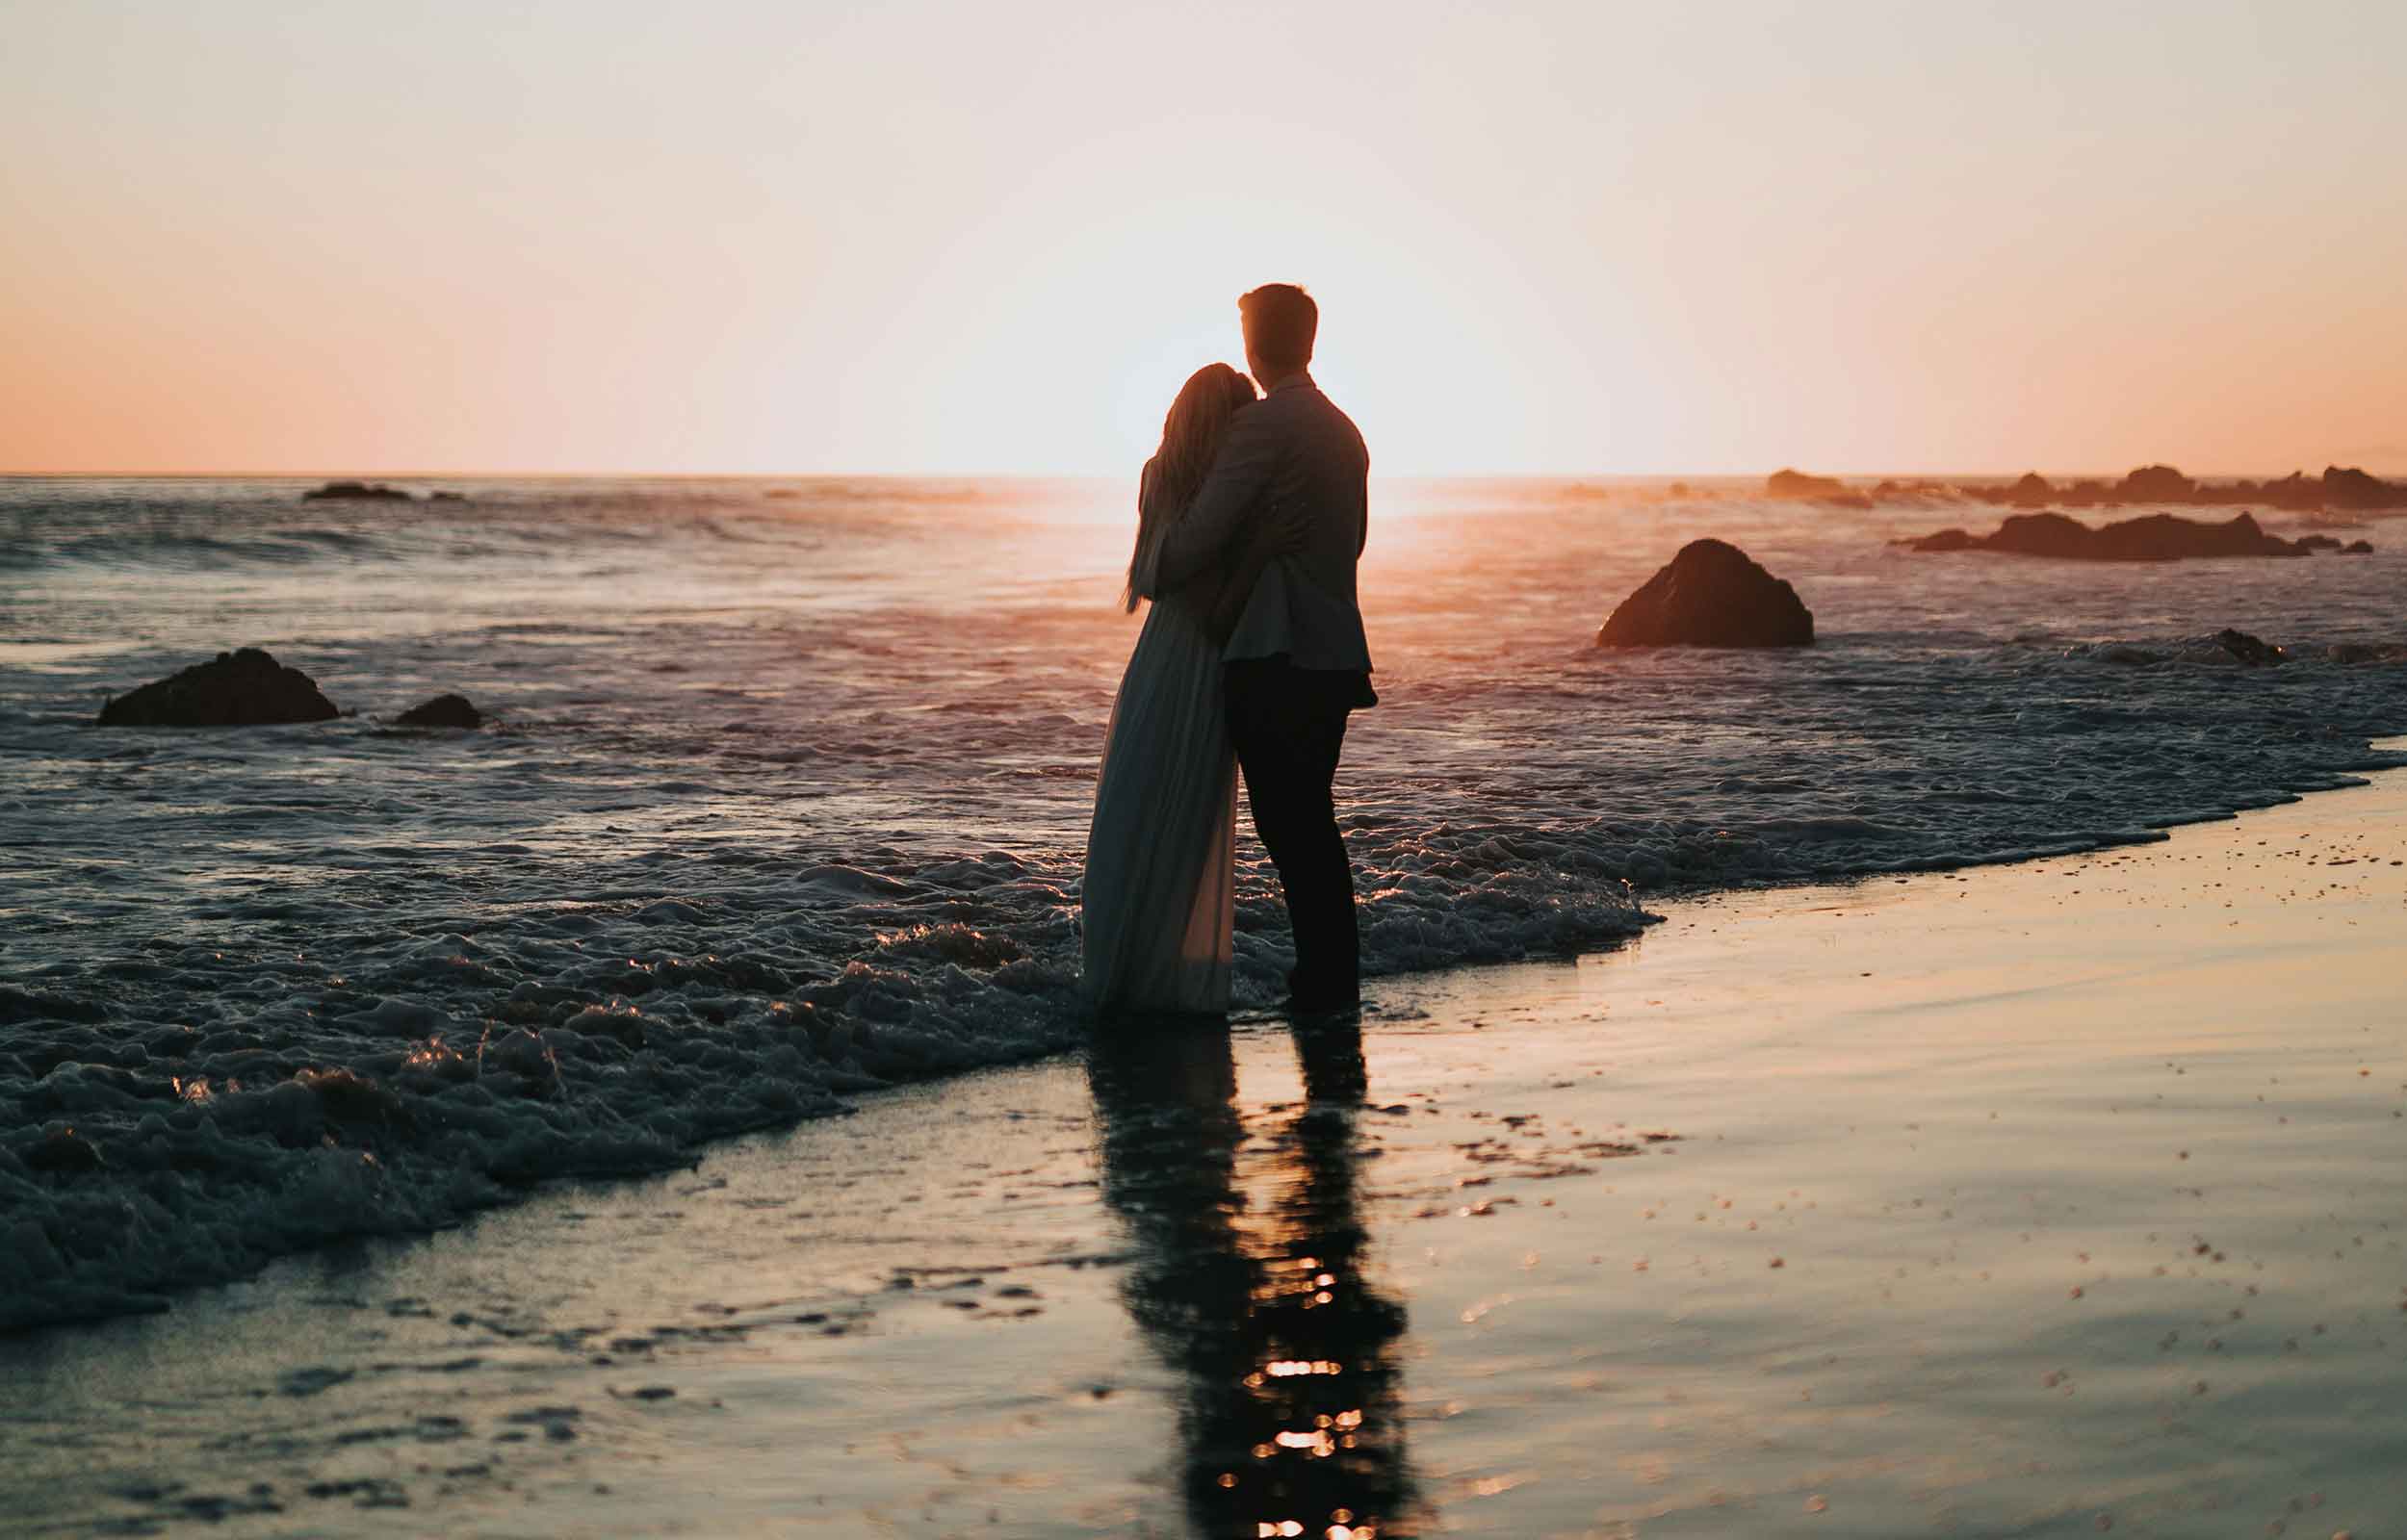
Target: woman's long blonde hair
1191	434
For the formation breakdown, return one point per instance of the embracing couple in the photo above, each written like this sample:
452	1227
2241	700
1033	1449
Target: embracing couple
1250	518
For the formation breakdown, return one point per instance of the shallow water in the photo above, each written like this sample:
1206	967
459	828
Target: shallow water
790	791
1823	1210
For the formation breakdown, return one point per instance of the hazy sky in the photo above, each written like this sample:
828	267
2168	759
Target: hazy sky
786	236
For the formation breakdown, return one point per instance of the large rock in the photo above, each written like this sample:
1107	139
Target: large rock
245	689
2157	537
1711	595
443	711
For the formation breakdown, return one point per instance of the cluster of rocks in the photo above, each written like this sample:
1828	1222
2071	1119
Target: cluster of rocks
373	491
2344	487
1713	594
2339	487
2155	537
249	689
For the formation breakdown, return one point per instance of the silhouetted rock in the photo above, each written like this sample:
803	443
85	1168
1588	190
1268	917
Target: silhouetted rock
2156	537
2030	491
2294	492
356	492
2358	547
2156	483
1944	540
2252	651
1711	595
2339	487
241	689
1787	483
2170	537
2317	543
443	711
2347	487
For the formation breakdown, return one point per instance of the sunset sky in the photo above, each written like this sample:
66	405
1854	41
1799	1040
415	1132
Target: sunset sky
786	236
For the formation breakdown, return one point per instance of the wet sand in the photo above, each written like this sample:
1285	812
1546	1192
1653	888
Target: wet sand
2031	1201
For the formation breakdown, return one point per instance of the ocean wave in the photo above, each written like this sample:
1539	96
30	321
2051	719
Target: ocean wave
770	828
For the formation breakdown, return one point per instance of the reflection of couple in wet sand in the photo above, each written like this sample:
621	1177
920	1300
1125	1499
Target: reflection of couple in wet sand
1290	1414
1251	518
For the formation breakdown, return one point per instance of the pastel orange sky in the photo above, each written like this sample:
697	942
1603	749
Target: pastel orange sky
787	237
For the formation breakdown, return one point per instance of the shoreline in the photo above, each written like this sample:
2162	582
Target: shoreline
1928	1246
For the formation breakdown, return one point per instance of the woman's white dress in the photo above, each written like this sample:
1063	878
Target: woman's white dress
1159	900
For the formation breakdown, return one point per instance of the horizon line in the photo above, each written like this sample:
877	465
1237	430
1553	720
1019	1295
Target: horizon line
2375	468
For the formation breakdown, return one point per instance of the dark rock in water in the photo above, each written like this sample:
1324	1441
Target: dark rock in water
2317	543
2250	650
2156	483
1711	595
1944	540
445	496
2031	490
443	711
2029	534
2157	537
2347	487
2169	537
63	1149
2339	487
357	492
1787	484
2358	547
2367	652
243	689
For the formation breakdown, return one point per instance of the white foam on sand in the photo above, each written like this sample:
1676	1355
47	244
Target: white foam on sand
2045	1200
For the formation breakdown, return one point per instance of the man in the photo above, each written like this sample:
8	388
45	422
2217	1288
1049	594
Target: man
1298	661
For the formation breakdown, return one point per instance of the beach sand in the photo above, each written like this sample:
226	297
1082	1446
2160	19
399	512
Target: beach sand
2041	1200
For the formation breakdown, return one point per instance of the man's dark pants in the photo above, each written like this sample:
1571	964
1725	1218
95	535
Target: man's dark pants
1288	725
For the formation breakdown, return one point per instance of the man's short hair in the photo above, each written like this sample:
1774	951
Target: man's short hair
1281	321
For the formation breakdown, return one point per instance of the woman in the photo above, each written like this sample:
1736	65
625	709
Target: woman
1159	901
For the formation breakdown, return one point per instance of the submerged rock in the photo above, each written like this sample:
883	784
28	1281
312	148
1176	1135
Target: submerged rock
2252	651
239	689
356	492
2156	537
63	1149
2358	547
1711	595
443	711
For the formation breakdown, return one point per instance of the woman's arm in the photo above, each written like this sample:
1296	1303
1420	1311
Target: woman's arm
1210	530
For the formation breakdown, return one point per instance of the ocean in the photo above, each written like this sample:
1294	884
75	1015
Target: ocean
787	788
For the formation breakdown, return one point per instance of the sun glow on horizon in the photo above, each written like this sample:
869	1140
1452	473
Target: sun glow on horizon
931	239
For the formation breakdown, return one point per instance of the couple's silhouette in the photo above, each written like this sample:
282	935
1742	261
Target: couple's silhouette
1249	1281
1251	518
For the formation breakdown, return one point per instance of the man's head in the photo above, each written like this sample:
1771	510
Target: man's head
1281	321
